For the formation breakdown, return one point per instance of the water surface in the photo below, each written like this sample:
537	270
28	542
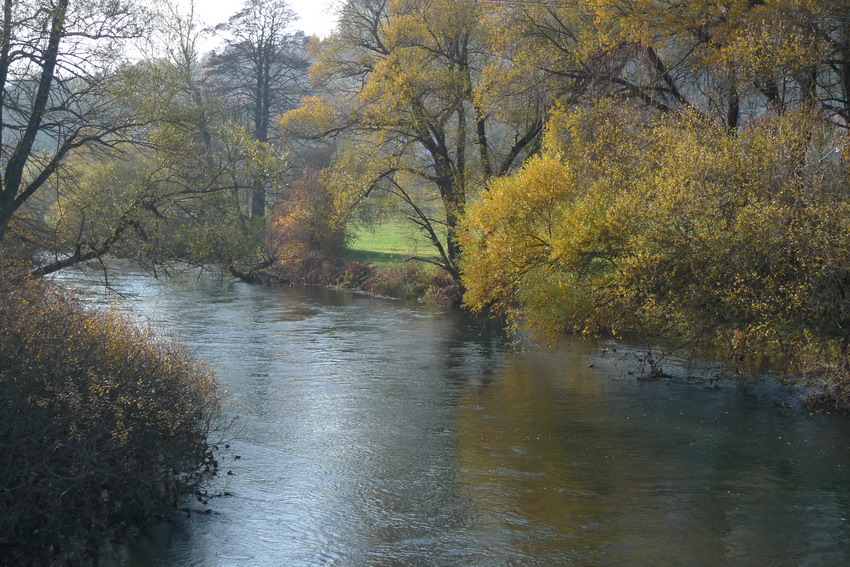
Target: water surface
374	432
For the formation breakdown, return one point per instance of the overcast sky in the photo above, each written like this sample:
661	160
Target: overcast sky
316	16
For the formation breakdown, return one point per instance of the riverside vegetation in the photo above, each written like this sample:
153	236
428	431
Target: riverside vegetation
104	425
678	171
674	230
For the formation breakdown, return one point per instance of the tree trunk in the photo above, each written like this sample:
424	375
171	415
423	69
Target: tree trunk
258	201
13	176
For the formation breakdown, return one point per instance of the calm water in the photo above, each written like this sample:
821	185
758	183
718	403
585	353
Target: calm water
374	432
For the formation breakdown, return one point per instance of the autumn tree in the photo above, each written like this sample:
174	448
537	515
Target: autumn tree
306	226
730	60
672	229
261	71
57	58
405	103
174	194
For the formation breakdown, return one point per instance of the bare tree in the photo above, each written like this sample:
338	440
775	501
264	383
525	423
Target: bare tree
262	71
56	59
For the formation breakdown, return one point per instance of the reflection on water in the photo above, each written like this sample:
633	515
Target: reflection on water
383	433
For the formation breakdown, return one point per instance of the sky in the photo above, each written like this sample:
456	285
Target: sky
316	16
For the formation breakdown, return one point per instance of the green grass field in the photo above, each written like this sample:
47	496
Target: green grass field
389	243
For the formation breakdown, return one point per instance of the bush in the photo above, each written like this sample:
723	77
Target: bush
103	425
404	281
307	225
413	280
675	229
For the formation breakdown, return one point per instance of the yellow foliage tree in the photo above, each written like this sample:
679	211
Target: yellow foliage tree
673	228
408	114
729	60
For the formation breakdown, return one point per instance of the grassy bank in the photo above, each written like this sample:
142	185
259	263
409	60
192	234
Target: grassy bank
382	258
389	243
378	261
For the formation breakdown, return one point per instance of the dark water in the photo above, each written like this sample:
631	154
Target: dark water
381	433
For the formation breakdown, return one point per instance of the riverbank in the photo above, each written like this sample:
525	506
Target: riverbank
380	260
104	425
408	280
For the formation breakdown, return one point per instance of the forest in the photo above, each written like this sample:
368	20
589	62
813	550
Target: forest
677	172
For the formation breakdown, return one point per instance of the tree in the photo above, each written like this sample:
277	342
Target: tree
306	226
174	194
261	71
56	61
671	228
408	110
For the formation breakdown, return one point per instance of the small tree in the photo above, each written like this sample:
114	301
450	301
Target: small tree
307	224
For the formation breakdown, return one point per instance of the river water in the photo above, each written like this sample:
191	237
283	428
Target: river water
376	432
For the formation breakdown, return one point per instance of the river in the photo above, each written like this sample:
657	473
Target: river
376	432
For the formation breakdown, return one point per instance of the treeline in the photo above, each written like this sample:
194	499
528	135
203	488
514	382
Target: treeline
673	169
165	154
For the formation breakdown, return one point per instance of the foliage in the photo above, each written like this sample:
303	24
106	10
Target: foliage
184	190
174	201
402	78
673	228
306	224
56	62
729	60
104	425
148	162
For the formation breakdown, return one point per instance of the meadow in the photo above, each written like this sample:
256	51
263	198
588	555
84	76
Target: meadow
391	242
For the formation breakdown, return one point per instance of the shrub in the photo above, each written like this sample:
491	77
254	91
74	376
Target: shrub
676	229
307	225
103	424
404	281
